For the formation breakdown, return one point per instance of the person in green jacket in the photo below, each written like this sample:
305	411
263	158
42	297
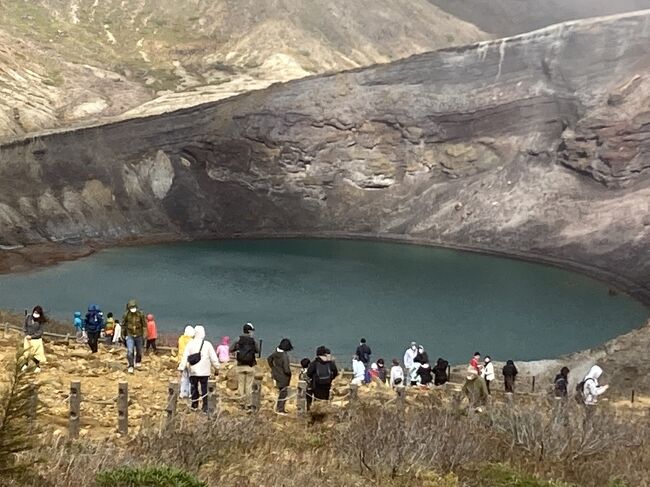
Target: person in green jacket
281	372
134	326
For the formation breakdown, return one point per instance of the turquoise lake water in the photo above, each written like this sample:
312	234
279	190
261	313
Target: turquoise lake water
333	292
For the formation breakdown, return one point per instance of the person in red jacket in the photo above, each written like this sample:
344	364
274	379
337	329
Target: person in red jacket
152	333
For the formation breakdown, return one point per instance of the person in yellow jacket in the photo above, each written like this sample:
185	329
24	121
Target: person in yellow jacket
183	340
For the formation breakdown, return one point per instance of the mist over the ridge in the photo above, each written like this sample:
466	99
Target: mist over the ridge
509	17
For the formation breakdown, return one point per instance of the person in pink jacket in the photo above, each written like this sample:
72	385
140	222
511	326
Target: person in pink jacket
152	333
223	350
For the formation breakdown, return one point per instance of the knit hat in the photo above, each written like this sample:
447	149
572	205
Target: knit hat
248	327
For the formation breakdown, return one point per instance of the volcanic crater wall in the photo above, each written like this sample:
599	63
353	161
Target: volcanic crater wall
536	145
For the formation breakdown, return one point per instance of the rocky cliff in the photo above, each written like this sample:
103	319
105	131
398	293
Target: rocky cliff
536	145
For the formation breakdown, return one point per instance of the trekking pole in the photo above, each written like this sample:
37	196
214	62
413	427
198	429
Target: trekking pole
632	398
533	385
260	354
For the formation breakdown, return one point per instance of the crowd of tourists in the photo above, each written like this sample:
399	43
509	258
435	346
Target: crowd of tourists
198	359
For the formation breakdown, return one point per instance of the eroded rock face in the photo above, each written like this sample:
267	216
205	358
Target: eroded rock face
534	145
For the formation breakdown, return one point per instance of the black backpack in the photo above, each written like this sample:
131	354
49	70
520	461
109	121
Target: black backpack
323	375
246	351
580	391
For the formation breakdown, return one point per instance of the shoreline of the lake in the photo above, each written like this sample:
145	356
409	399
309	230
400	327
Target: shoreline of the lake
36	256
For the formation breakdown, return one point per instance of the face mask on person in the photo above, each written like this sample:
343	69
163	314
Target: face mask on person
36	315
133	310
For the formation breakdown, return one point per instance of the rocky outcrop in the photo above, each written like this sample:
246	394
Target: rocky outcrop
535	146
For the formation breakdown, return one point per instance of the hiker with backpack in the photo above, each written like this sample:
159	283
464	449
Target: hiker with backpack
93	324
281	372
200	357
509	372
363	352
322	371
440	372
246	348
588	389
561	384
134	326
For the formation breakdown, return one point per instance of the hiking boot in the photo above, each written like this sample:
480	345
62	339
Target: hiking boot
37	370
281	413
24	368
130	370
138	365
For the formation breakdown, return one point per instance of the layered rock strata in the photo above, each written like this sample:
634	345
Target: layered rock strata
535	146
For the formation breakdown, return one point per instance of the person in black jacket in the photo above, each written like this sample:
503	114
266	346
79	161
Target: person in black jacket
425	375
561	383
33	343
364	352
509	375
281	372
421	357
440	372
322	371
247	349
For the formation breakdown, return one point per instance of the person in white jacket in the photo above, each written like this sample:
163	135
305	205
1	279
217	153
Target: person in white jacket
396	374
409	362
591	389
199	372
358	371
488	372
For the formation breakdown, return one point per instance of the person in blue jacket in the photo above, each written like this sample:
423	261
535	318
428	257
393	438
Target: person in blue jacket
78	325
93	324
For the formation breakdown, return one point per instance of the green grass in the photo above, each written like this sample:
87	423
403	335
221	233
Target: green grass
147	477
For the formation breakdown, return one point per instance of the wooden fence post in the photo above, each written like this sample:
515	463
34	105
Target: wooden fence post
67	339
354	392
301	397
532	388
632	398
123	408
401	393
212	397
75	407
172	400
256	394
